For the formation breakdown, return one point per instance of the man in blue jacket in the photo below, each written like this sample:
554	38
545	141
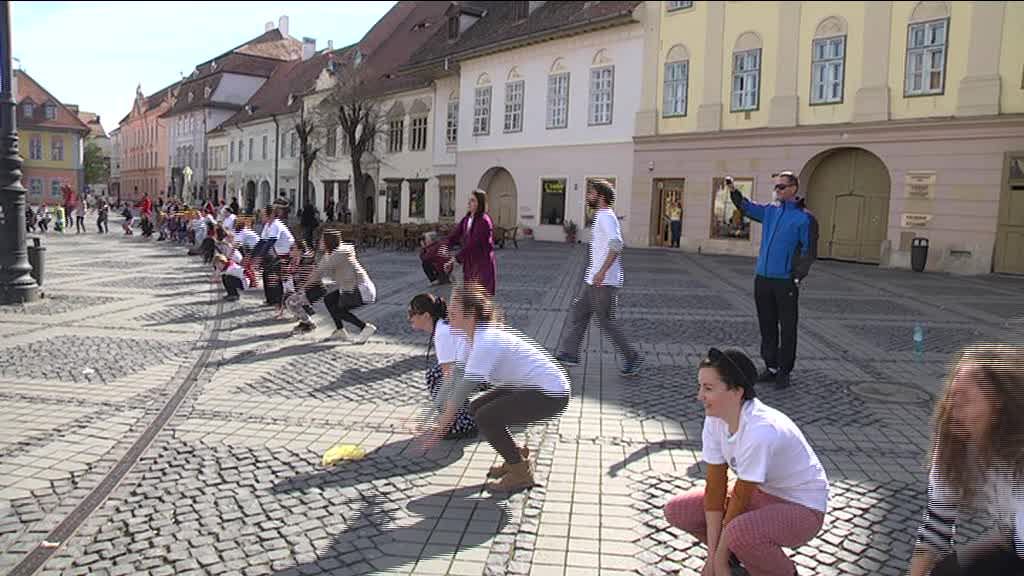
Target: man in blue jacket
789	239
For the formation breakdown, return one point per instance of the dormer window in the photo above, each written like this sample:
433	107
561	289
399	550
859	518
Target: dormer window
51	112
453	27
28	110
206	93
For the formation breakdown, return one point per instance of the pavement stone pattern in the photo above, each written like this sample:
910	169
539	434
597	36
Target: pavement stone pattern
233	484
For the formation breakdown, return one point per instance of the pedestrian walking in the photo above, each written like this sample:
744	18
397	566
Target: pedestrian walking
309	219
429	313
528	386
80	218
353	287
789	240
781	491
603	281
976	464
675	217
102	216
475	236
30	219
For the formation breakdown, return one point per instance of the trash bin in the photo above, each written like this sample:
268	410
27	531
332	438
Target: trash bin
918	254
36	254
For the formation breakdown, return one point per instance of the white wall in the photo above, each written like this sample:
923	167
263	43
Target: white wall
444	155
623	48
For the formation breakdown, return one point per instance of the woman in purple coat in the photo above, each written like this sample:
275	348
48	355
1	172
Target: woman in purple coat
475	235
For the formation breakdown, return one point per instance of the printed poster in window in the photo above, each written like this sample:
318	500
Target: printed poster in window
588	218
726	221
552	203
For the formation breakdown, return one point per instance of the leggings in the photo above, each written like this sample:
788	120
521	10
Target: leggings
232	284
757	536
340	304
301	305
79	223
496	410
995	562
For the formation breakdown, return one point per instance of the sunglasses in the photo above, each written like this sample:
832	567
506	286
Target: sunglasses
715	357
779	187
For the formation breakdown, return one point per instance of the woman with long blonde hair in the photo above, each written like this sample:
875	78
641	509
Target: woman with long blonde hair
977	463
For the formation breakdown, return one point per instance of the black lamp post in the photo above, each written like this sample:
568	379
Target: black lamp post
16	283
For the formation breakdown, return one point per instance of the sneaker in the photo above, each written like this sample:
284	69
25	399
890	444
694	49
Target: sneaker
568	359
632	367
767	375
782	381
340	334
303	328
231	298
365	333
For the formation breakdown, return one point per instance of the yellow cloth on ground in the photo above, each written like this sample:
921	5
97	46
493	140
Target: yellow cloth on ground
342	452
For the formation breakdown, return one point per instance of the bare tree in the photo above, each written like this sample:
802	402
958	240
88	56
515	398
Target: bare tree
309	148
357	113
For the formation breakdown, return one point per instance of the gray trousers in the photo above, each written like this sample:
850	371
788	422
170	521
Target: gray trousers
602	302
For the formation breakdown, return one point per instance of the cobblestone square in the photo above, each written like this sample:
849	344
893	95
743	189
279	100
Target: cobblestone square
233	483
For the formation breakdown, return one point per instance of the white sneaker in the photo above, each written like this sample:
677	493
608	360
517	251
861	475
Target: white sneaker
340	334
365	333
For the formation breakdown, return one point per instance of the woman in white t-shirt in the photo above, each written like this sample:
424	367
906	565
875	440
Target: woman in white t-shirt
429	313
977	464
781	492
528	385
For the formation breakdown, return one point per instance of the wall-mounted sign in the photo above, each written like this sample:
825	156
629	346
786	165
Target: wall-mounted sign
915	220
920	185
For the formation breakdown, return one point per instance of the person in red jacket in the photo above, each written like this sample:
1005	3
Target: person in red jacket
145	205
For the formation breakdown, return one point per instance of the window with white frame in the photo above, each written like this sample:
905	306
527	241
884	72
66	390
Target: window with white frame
396	133
446	197
482	111
266	143
232	151
746	78
673	5
251	148
676	81
418	133
452	123
36	185
28	109
514	106
827	69
926	58
241	150
602	90
56	148
558	100
35	148
331	146
55	188
294	145
51	112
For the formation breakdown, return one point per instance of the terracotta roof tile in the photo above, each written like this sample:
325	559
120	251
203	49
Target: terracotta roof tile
32	91
294	77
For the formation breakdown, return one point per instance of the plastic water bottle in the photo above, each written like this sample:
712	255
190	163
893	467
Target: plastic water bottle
918	342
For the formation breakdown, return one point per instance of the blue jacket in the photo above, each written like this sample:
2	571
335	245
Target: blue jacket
789	237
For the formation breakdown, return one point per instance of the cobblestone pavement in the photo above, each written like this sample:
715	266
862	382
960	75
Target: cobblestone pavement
233	484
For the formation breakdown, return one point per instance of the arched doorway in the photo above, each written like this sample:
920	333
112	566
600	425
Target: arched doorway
502	198
848	190
369	200
250	197
265	196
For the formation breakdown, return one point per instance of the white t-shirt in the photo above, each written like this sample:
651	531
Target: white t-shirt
450	346
768	449
229	221
246	237
507	358
284	237
606	230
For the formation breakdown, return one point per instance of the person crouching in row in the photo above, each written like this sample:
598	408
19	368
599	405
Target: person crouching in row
353	286
231	276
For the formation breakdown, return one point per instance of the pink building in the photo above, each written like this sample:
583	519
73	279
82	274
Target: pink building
144	160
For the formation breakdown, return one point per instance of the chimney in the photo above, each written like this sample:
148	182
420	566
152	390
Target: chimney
282	25
268	26
330	45
308	48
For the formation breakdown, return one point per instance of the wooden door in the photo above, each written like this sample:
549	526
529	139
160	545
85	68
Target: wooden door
1009	254
849	195
667	191
502	193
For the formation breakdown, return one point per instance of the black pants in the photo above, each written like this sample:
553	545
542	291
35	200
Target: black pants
232	284
433	273
677	231
999	562
500	408
777	307
340	305
272	267
310	236
79	223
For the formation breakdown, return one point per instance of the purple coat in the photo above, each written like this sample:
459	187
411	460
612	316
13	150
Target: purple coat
477	253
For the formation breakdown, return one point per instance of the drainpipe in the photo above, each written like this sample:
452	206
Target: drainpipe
277	155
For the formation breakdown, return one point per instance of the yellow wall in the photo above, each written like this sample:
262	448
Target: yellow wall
1011	61
762	18
689	28
70	149
811	15
956	63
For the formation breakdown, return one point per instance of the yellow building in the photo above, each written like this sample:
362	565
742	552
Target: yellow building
50	139
903	119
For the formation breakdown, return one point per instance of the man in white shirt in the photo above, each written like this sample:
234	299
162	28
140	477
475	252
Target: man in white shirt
603	281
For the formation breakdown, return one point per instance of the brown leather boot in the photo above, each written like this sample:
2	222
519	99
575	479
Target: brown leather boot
519	477
499	470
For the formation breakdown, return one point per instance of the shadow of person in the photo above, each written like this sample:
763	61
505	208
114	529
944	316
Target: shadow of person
377	374
380	538
645	451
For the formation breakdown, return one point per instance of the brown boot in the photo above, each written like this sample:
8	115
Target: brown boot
500	470
519	476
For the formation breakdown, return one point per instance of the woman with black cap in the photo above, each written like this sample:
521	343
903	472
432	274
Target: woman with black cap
781	492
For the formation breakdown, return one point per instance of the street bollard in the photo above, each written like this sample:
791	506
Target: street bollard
36	257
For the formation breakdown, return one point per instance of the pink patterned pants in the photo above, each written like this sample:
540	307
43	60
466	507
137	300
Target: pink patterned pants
758	535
